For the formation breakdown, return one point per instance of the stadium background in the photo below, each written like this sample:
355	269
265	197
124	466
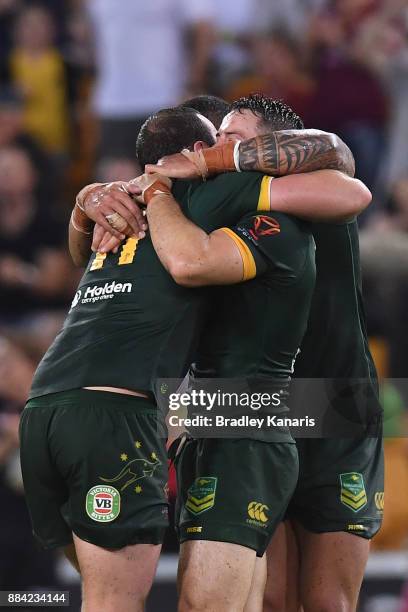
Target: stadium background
76	79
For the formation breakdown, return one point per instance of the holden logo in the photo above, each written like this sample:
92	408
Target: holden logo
76	299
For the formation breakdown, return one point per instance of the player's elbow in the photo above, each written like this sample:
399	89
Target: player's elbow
361	199
78	258
185	273
79	261
343	159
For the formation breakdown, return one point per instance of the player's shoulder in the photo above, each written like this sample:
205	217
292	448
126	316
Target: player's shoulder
236	180
284	223
182	188
230	183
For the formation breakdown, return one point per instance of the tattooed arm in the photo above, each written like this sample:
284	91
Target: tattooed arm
295	151
277	154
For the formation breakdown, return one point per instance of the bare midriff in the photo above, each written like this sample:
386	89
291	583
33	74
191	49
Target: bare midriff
118	390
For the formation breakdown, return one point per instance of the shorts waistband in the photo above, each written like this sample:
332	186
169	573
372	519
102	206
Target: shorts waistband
102	397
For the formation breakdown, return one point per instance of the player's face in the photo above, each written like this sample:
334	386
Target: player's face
238	125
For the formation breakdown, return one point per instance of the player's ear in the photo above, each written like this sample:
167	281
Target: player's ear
200	145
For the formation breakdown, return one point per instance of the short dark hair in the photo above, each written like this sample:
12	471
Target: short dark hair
274	114
169	131
212	107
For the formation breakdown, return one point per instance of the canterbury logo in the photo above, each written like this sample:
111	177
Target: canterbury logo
257	511
265	226
379	500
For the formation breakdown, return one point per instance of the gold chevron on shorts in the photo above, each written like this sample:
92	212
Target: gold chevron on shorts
354	505
201	495
353	493
354	498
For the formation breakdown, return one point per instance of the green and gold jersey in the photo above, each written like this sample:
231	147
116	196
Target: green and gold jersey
255	328
129	322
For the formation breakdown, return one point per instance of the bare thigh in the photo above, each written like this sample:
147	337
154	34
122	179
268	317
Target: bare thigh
256	594
331	570
115	580
214	576
282	584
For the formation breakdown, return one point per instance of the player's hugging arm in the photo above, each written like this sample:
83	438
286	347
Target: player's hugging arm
194	257
277	154
104	213
300	160
295	151
228	255
323	195
191	256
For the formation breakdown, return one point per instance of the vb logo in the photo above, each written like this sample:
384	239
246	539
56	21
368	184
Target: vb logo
102	504
257	510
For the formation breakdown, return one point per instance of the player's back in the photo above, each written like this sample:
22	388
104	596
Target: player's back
335	344
129	324
335	348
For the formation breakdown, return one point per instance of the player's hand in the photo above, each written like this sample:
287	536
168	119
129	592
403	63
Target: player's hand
113	202
145	186
174	166
104	242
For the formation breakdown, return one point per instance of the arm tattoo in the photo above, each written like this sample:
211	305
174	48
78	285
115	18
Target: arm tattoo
295	151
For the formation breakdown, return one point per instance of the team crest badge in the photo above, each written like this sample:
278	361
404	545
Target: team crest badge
201	495
264	226
353	493
103	504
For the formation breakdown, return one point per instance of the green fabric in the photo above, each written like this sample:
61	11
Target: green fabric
255	328
94	464
341	486
234	490
130	323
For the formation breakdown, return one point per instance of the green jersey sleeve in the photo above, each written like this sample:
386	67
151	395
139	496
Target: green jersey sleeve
224	200
275	243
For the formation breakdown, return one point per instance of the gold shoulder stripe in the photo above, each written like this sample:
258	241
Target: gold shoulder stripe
247	257
264	202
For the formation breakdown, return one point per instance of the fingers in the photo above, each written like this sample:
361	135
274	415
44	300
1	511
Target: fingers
115	199
97	238
110	244
126	208
134	186
140	224
152	168
165	167
104	242
100	219
175	166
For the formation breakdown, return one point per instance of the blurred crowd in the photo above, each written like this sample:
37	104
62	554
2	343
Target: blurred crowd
79	77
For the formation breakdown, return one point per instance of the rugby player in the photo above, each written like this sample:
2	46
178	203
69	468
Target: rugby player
336	508
222	558
94	465
90	451
212	107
